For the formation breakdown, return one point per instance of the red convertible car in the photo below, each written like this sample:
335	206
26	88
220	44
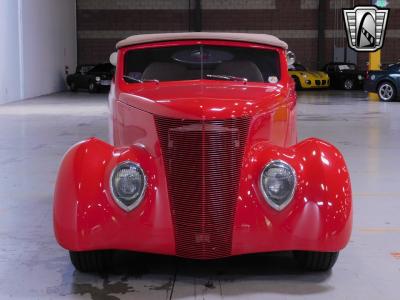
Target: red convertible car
204	161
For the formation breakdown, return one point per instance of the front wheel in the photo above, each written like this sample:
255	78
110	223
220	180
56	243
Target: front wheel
348	84
73	87
316	261
91	261
92	87
387	92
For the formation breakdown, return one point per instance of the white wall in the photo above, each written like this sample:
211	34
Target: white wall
38	39
9	51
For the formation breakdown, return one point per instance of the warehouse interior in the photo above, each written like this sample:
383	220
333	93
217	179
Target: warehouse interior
45	41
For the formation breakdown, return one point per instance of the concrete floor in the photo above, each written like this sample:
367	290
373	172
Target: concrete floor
35	133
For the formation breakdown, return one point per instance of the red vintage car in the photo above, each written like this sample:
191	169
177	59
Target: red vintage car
204	161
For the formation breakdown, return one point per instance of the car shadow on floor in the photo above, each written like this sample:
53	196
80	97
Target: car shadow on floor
271	273
156	275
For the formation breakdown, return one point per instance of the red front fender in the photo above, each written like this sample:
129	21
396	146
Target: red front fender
85	215
319	217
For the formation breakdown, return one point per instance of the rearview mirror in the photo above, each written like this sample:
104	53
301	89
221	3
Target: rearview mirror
291	58
113	58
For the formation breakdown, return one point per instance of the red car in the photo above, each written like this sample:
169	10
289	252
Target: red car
204	161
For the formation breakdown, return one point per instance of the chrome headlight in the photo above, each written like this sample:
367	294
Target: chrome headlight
128	184
278	183
98	78
360	77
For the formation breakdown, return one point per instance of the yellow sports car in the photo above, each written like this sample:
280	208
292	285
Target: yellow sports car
308	79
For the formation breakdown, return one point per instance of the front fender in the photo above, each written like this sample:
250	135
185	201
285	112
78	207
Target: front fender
86	216
319	218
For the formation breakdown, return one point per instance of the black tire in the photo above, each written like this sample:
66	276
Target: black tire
348	84
297	82
387	91
316	261
92	87
73	87
91	261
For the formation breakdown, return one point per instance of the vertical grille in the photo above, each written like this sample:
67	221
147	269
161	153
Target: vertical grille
203	162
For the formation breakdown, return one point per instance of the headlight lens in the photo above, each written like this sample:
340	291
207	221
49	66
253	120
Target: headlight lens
128	184
278	183
98	78
360	77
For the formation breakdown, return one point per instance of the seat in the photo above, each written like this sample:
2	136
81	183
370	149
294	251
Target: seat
164	71
245	68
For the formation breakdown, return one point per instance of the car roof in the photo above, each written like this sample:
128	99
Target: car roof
258	38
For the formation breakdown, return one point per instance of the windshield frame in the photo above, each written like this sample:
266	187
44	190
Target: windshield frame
126	85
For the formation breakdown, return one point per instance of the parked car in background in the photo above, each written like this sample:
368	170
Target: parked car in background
344	75
308	79
385	83
204	161
91	77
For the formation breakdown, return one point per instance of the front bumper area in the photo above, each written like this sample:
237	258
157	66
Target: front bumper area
104	82
319	217
370	86
315	83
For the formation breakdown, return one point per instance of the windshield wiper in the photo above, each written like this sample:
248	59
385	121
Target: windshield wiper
140	81
226	77
132	79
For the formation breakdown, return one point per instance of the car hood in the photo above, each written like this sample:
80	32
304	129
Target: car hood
313	74
108	74
352	72
318	74
205	99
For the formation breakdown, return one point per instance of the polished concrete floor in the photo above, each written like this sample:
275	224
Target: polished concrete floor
35	133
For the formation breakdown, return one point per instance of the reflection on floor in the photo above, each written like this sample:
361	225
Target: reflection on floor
35	133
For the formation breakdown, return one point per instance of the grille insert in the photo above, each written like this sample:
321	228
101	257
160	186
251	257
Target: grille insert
203	161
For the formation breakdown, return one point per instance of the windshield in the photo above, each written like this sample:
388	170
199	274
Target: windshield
392	67
202	62
346	67
84	68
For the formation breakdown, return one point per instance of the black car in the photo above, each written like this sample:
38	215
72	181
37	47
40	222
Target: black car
385	83
91	77
344	75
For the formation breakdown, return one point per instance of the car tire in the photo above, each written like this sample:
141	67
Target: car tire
73	87
348	84
92	87
297	82
387	91
316	261
91	261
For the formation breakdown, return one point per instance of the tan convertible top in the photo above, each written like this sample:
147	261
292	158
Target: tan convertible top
258	38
